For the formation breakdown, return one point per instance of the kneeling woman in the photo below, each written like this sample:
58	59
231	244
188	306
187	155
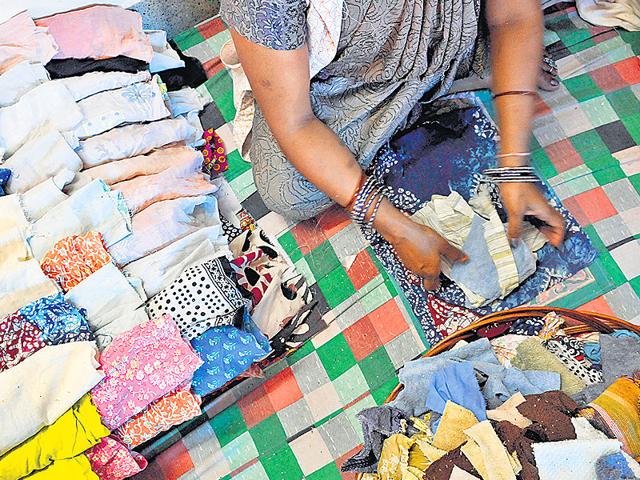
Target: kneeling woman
312	137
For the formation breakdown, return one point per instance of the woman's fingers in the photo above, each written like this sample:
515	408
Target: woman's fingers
452	253
554	228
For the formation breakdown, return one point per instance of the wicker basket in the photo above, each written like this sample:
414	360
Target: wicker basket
574	323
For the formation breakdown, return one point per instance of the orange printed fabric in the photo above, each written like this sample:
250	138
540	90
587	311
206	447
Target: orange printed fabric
172	409
74	258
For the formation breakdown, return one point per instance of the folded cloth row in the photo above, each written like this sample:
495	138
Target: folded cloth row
116	250
502	408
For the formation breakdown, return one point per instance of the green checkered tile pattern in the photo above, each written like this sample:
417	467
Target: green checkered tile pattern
301	422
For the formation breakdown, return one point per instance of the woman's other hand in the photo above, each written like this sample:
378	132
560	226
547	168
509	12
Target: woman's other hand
520	199
419	248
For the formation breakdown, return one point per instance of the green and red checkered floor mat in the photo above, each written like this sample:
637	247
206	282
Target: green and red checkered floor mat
301	423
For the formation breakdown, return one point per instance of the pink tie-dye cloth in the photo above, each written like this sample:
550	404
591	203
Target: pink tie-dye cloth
111	460
140	366
99	32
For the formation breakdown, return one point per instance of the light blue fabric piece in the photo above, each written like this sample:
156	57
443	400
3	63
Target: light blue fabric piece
592	352
458	384
227	352
480	274
497	382
417	375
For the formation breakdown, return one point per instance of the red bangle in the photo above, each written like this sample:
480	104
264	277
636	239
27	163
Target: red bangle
353	197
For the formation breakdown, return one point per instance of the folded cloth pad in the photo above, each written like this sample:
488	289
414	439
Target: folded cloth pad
139	102
571	459
36	392
202	297
41	157
142	191
49	105
227	352
141	365
172	409
21	40
74	258
494	268
113	31
163	223
113	303
111	460
93	207
78	429
137	139
18	80
182	159
158	270
96	82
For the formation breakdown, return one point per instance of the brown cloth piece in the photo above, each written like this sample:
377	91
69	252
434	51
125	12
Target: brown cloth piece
441	469
515	440
551	414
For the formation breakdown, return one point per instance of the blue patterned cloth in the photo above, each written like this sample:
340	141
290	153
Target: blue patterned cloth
444	148
59	321
5	175
227	352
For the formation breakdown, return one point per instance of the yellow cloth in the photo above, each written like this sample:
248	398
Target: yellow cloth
74	468
401	459
75	431
455	420
486	448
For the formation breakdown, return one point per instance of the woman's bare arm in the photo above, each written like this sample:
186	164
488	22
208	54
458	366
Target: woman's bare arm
280	83
516	50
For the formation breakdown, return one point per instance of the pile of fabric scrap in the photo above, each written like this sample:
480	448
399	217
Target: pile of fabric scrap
132	283
533	404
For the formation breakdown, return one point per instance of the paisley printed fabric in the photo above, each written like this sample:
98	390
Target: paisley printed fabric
570	351
203	296
58	320
18	340
74	258
215	156
111	460
172	409
227	352
142	365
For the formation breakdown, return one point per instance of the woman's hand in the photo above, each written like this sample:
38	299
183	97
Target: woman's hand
520	199
419	248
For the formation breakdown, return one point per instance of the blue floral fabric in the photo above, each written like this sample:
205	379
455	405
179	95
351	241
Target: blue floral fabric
5	175
227	352
59	321
445	147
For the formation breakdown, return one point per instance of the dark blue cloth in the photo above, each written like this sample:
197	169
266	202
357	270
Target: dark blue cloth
5	175
446	147
59	321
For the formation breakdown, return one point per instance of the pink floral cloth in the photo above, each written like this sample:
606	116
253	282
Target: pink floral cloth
18	340
140	366
111	460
